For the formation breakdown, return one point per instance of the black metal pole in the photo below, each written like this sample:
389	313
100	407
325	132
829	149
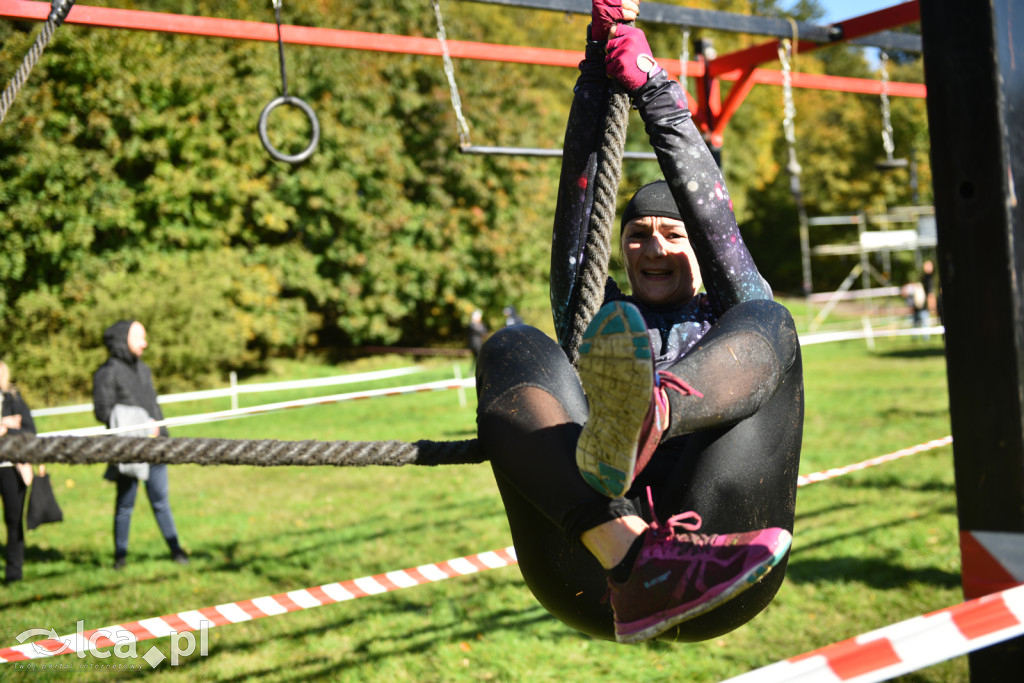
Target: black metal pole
976	122
718	20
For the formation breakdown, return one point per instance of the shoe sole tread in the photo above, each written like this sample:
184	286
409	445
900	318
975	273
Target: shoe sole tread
617	373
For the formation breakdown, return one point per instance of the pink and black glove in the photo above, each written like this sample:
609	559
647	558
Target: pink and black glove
629	59
603	14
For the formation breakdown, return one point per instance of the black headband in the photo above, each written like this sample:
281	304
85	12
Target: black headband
653	199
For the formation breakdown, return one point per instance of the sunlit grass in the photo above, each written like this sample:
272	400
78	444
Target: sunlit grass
872	548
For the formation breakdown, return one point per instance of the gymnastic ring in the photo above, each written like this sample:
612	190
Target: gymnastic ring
314	124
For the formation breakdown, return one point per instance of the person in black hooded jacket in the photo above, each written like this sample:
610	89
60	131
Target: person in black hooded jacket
125	380
15	478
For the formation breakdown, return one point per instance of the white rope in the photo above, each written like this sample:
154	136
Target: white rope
684	58
788	106
887	143
441	385
449	71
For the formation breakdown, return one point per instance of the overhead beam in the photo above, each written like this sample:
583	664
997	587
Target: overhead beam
714	124
898	15
731	22
215	27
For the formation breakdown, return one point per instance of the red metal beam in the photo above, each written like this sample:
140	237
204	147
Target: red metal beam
745	61
737	94
213	27
891	17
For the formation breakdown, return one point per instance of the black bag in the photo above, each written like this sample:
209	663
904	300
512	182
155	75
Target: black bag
42	506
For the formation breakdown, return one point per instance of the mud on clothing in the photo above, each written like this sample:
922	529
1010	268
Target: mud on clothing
731	456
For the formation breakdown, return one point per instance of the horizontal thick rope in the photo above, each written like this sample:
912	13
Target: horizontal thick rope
79	450
83	450
255	608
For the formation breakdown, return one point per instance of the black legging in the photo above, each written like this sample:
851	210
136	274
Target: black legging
731	456
12	490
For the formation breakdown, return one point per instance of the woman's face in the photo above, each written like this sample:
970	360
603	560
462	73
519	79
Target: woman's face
660	261
137	339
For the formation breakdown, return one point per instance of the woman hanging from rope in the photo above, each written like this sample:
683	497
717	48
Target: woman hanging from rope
656	499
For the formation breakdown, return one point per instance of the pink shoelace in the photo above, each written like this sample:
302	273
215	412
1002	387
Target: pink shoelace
666	380
678	528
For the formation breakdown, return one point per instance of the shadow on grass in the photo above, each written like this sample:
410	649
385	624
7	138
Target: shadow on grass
368	650
936	511
903	413
34	555
873	572
911	354
161	566
237	554
805	516
887	482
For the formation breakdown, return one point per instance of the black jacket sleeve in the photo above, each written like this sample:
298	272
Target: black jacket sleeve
575	201
14	404
104	393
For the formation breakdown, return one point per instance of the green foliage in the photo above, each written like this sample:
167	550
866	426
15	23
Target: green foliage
203	310
133	174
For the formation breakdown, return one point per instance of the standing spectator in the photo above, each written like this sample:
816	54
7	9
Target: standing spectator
15	418
916	295
125	380
477	331
928	282
511	316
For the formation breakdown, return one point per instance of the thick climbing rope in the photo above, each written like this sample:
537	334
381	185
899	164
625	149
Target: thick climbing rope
58	12
597	251
84	450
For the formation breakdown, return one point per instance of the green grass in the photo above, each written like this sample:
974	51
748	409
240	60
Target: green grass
871	548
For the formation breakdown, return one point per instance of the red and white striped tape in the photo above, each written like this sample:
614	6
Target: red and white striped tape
904	647
804	480
271	605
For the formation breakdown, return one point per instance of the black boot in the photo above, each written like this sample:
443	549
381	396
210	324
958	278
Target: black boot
177	553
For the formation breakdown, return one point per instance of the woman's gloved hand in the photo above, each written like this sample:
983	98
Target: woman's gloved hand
606	13
629	59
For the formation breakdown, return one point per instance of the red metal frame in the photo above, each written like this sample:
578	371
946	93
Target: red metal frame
709	111
713	122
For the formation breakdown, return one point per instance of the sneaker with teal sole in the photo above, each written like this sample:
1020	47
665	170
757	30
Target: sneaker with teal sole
616	367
